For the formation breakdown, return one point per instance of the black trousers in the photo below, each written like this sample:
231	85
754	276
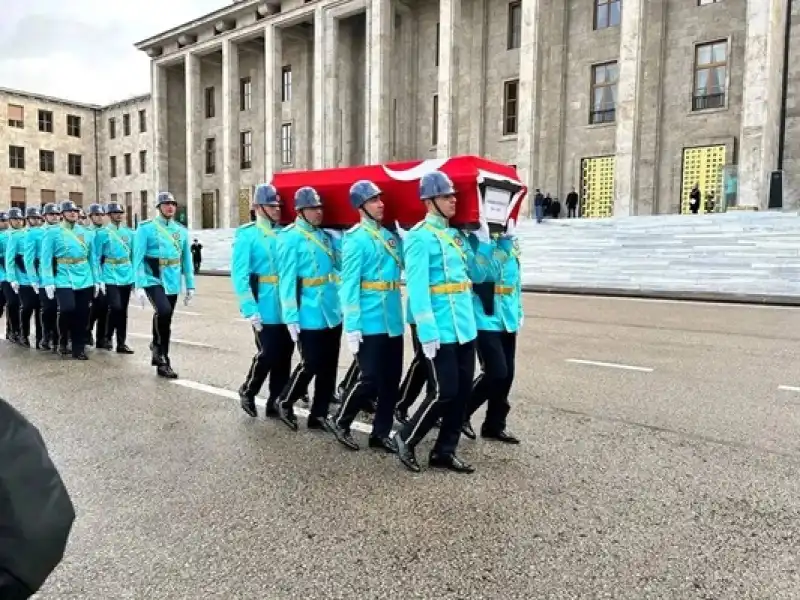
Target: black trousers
73	314
273	360
29	300
416	376
98	315
117	297
572	212
164	307
497	354
319	360
49	317
452	370
12	308
380	359
350	378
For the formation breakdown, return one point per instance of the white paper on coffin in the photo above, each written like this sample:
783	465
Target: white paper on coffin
495	205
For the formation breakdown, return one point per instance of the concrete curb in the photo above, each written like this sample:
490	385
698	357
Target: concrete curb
722	297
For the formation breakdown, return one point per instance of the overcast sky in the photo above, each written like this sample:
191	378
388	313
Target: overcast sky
83	49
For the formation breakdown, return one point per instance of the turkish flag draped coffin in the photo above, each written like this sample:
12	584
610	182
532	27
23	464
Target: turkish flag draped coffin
483	187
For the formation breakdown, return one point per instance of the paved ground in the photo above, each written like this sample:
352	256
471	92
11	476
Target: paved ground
670	471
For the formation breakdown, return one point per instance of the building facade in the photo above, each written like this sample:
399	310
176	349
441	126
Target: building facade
53	150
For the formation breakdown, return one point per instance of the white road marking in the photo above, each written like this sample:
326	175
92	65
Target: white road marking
789	388
597	363
261	403
175	340
177	312
671	301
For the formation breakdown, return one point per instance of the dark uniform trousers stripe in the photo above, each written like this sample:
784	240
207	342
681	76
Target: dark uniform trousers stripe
319	360
273	359
497	354
416	376
164	307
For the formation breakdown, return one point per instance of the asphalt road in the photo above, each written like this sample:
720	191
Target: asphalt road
660	457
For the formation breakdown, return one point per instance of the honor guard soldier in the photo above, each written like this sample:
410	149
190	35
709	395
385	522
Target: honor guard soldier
98	314
29	294
254	274
373	317
15	274
162	261
310	306
499	316
440	262
51	214
113	253
67	277
5	287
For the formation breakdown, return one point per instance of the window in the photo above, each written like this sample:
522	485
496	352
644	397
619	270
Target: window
112	128
142	121
510	106
73	126
16	157
245	93
18	198
143	204
142	161
129	209
211	108
47	161
16	116
112	166
246	149
47	196
127	162
606	13
604	93
287	157
514	25
286	84
710	73
75	164
436	58
126	124
113	198
211	156
77	198
435	121
46	121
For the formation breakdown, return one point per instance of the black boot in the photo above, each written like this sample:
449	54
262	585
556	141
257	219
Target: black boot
165	370
344	437
156	359
406	455
123	349
248	403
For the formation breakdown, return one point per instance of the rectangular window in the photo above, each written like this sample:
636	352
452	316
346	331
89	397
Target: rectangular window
127	161
129	209
46	121
75	164
142	121
287	156
77	198
113	198
47	196
514	25
16	157
16	116
211	156
47	161
286	84
73	126
606	13
142	161
112	128
126	124
604	93
510	106
211	107
435	121
245	93
112	166
436	58
18	197
143	204
710	74
246	149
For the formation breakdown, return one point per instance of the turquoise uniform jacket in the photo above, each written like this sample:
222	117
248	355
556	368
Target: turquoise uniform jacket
370	288
4	236
254	271
162	245
33	253
308	259
507	290
66	257
113	254
15	257
441	264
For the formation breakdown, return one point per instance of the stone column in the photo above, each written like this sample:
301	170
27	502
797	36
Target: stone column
194	147
158	75
379	105
631	56
450	29
320	95
761	102
475	86
529	96
230	132
273	85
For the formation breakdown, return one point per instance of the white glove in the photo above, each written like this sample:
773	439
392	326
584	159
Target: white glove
102	288
96	290
255	321
334	233
35	288
15	287
400	231
482	233
50	291
521	321
429	349
188	297
294	331
141	296
511	230
354	341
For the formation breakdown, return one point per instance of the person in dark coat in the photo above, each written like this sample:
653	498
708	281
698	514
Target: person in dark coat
36	513
197	254
572	204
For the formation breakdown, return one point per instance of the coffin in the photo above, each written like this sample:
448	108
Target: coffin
483	187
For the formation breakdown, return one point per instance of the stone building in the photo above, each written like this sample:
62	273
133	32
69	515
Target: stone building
53	150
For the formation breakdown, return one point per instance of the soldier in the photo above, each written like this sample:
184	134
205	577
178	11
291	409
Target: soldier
310	306
161	260
499	317
67	277
15	275
440	262
98	314
3	282
113	252
51	214
29	294
254	274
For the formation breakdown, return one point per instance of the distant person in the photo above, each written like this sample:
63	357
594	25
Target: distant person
572	204
197	255
694	199
538	205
